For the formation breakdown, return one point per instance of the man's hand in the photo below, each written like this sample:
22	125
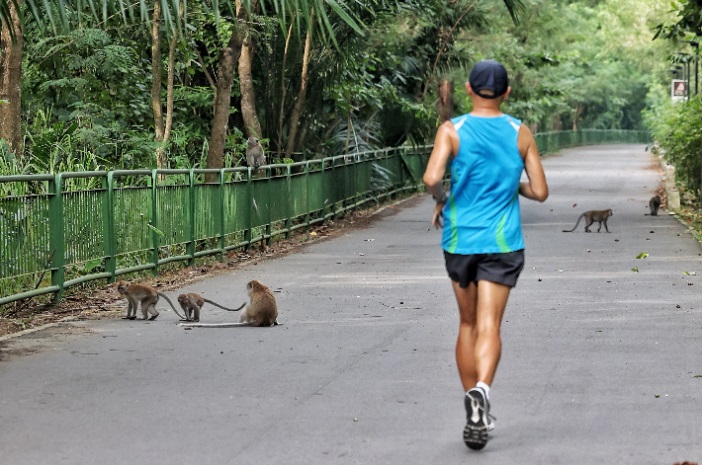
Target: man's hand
437	218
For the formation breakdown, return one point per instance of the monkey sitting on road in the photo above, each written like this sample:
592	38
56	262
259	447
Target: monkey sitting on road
591	216
146	295
262	309
654	204
192	303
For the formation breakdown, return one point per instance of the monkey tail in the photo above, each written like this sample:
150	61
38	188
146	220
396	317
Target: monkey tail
223	307
171	304
213	325
220	325
576	224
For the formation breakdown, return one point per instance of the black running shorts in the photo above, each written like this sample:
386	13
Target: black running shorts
503	268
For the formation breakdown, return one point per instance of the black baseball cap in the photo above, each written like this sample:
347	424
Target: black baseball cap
489	75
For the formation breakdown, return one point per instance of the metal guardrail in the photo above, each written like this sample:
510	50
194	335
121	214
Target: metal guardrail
554	141
69	228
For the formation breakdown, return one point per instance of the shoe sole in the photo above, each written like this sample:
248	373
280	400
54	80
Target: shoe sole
475	434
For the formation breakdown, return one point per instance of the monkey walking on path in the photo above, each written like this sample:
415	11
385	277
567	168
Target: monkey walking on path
591	216
192	303
654	204
262	309
146	295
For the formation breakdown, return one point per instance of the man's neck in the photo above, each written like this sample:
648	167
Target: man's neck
486	107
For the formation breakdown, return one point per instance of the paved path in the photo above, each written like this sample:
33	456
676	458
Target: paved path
601	364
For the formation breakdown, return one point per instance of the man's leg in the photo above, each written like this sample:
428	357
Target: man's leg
479	345
478	349
465	345
491	304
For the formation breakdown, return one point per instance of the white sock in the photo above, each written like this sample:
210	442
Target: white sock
485	387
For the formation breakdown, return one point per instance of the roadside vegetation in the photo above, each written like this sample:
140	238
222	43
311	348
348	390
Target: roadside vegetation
176	84
137	88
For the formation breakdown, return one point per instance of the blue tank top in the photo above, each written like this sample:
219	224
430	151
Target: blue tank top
482	213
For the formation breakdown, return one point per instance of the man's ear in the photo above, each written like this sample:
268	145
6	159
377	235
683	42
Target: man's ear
505	96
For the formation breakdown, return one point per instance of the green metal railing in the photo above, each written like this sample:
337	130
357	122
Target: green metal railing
57	231
553	141
69	228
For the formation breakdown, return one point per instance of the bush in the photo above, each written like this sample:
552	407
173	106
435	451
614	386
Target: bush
677	128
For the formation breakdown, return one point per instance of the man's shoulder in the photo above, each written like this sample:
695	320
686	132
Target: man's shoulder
513	119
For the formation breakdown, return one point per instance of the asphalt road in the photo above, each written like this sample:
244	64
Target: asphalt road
601	364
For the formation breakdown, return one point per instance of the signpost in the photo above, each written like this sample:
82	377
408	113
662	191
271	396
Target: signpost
679	90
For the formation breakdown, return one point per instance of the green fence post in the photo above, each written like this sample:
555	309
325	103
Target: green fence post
56	235
248	210
109	226
154	221
288	195
220	209
191	217
268	228
308	207
333	188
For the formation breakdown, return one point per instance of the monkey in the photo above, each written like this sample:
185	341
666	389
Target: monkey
591	216
192	303
255	157
654	204
146	295
262	309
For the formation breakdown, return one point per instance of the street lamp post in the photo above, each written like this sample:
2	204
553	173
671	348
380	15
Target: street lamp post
696	46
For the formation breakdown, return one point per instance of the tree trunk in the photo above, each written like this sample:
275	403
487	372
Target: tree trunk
283	86
169	85
301	96
10	81
156	71
578	111
228	58
445	103
161	155
248	97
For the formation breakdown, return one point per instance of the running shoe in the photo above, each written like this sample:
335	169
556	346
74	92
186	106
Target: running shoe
475	434
491	419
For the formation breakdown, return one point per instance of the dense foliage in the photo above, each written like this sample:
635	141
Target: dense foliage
677	126
87	103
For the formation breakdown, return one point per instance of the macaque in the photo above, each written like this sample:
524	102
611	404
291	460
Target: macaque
255	157
654	204
591	216
192	303
147	296
262	309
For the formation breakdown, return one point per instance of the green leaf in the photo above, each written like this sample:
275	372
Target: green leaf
642	255
92	264
154	229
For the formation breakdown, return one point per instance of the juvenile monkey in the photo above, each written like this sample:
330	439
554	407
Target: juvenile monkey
654	204
591	216
192	303
262	309
146	295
